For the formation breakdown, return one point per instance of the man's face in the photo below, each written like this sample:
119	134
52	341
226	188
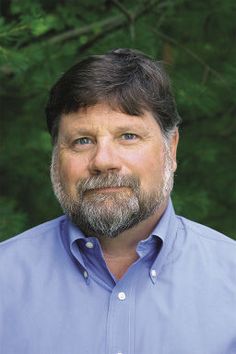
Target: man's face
111	170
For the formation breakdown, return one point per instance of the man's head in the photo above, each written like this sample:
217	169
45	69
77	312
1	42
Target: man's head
113	122
125	79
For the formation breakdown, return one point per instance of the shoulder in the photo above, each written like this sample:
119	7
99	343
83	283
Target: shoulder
31	239
26	259
208	240
205	232
34	232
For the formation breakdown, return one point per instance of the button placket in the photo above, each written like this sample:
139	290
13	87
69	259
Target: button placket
119	319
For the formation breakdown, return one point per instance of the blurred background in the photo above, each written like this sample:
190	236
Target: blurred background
39	40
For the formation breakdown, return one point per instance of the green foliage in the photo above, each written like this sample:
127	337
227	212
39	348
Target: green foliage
40	39
12	220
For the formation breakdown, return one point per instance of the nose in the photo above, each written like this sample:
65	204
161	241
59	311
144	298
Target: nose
105	159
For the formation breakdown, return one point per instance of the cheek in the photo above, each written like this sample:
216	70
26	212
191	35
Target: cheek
148	165
71	169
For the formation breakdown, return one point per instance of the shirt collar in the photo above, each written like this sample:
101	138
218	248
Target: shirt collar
160	233
166	223
74	232
165	231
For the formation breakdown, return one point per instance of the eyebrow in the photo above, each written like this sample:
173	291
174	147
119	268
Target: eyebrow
129	128
81	131
88	131
77	131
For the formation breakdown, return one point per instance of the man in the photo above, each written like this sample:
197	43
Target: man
119	273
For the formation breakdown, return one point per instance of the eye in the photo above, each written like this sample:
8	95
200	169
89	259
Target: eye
83	141
129	136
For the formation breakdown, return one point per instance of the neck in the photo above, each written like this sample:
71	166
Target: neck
120	252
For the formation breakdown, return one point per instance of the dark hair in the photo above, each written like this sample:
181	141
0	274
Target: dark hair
126	79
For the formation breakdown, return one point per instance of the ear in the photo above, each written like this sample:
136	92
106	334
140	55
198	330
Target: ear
173	147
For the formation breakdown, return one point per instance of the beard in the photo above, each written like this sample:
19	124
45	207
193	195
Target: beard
107	213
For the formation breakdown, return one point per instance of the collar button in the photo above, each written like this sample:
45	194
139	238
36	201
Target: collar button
89	244
153	273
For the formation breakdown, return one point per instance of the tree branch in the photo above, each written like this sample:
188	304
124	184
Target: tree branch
112	22
129	16
96	30
122	8
192	54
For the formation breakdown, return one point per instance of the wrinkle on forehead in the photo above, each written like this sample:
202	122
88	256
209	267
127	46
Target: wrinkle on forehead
88	116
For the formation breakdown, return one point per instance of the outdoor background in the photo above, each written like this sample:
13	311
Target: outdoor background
39	40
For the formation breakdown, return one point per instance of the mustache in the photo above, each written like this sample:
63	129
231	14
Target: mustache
108	181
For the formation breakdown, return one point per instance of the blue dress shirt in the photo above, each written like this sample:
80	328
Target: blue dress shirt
57	295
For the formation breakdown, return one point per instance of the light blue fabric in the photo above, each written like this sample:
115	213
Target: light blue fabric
58	297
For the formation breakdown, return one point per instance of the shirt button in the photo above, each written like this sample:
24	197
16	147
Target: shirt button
85	274
153	273
89	244
121	296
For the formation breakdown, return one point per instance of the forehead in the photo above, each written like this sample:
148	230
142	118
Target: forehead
103	116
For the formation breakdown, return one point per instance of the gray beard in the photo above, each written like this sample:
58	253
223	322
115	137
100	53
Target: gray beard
105	214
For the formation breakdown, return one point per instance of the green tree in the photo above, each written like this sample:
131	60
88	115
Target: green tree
39	40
